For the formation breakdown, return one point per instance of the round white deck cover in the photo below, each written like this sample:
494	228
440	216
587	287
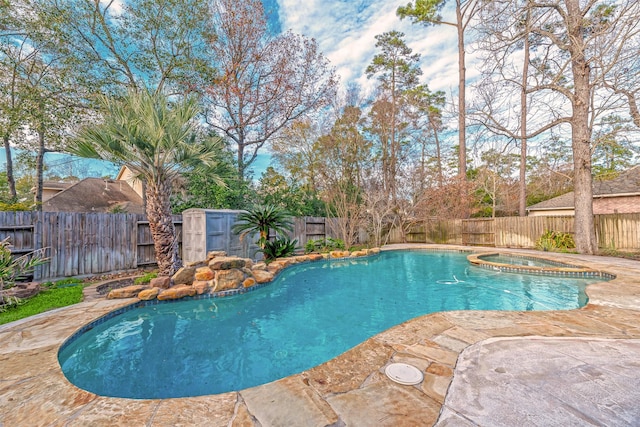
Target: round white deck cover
404	374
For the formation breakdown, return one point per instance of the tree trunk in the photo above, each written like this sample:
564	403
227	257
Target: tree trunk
10	178
580	133
439	159
39	167
162	229
522	185
462	111
240	158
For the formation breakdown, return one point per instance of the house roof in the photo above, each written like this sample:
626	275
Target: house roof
56	185
625	184
96	195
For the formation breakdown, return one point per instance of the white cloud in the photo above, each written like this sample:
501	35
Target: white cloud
346	30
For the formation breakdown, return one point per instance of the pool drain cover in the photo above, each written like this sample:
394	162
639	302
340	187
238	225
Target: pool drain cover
404	374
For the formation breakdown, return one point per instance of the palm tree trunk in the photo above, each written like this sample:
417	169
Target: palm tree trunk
162	229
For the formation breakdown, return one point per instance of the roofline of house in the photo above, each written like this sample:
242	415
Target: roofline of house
561	208
602	196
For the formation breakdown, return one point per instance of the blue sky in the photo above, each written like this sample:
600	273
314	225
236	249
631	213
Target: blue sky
346	30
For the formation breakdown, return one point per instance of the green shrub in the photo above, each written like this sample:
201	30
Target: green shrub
143	280
15	206
278	248
555	241
324	245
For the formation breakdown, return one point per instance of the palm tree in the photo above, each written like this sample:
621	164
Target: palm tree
263	219
156	139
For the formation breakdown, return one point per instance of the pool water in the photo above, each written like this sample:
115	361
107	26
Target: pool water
527	262
309	315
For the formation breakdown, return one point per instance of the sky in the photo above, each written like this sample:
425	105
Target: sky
345	31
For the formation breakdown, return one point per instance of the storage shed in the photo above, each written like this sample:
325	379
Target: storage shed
206	230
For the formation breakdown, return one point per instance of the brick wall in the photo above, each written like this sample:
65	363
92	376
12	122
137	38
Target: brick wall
613	205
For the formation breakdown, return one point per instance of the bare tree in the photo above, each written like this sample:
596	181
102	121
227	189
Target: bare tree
427	12
265	82
344	155
396	68
567	73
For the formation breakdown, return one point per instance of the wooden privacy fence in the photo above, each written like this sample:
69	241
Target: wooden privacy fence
82	243
615	231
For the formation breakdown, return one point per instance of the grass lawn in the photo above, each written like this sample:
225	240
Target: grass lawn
55	297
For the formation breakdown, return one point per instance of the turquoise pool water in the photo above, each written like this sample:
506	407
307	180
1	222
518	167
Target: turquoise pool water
523	261
310	314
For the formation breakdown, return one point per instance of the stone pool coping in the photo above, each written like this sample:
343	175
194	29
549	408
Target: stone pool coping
350	389
560	269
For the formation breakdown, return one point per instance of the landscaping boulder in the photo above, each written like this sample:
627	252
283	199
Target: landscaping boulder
229	279
177	292
274	268
215	254
339	254
184	276
204	274
227	263
126	292
249	282
355	254
148	294
162	282
25	290
203	286
262	276
259	266
315	257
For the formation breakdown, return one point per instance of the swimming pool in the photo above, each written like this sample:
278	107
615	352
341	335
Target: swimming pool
310	314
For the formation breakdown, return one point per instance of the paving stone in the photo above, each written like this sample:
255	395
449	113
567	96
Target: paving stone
44	400
288	402
350	370
109	412
434	352
385	404
213	411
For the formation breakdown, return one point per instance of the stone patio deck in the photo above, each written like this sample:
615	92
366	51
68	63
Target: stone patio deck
352	389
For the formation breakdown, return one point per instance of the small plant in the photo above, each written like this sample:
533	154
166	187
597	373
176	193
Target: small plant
555	240
118	209
324	245
9	302
278	248
13	269
143	280
263	219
